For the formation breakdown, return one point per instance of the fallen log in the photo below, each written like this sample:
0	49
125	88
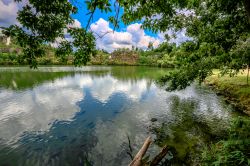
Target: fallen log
157	159
137	161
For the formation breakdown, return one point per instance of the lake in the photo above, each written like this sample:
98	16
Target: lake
87	116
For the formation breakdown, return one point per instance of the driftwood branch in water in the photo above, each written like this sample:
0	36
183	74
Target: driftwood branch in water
157	159
137	161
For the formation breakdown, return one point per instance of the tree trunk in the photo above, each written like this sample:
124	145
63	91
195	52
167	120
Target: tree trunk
247	73
247	8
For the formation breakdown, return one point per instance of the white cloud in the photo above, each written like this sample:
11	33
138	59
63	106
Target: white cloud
140	39
75	24
67	37
175	37
136	31
133	36
8	12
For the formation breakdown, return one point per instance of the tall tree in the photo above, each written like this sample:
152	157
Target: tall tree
214	25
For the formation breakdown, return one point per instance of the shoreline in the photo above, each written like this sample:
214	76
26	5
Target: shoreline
234	90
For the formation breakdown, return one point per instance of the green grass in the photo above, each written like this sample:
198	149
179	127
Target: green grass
234	88
234	150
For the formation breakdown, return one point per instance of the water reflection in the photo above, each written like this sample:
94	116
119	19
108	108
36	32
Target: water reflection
188	129
85	117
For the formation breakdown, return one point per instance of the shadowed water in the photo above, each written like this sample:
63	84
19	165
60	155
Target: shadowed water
84	116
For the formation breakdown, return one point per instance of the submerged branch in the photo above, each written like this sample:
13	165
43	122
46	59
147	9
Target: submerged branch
138	158
157	159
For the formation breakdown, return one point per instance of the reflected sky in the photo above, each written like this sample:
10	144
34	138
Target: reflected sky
86	117
62	99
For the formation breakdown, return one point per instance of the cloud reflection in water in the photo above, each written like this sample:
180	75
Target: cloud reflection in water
87	115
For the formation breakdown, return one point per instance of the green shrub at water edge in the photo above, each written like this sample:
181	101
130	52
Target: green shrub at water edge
235	150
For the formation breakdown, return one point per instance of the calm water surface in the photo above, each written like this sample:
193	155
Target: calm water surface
84	116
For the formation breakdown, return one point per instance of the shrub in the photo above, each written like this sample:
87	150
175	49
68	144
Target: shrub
232	151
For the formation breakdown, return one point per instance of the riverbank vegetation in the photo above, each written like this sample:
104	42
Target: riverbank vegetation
235	90
162	56
13	55
219	39
232	149
224	144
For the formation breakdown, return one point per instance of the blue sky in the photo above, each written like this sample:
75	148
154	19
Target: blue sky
131	35
83	18
125	37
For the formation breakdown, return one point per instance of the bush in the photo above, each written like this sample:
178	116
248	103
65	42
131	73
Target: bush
8	59
100	59
147	60
232	151
45	61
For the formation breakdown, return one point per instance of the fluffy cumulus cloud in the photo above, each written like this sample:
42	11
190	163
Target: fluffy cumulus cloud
8	12
110	40
133	35
140	39
75	24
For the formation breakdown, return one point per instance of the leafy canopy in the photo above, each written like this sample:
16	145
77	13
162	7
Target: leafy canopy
47	21
214	25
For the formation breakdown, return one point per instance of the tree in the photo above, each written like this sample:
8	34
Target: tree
165	47
41	23
240	54
44	22
214	25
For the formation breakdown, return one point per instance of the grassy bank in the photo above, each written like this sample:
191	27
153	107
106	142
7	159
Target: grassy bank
234	148
234	89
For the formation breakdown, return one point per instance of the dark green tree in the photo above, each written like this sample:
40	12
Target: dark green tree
44	22
214	25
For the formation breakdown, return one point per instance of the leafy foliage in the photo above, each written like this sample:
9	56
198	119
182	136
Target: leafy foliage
64	50
41	22
240	54
84	44
44	22
234	150
215	27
